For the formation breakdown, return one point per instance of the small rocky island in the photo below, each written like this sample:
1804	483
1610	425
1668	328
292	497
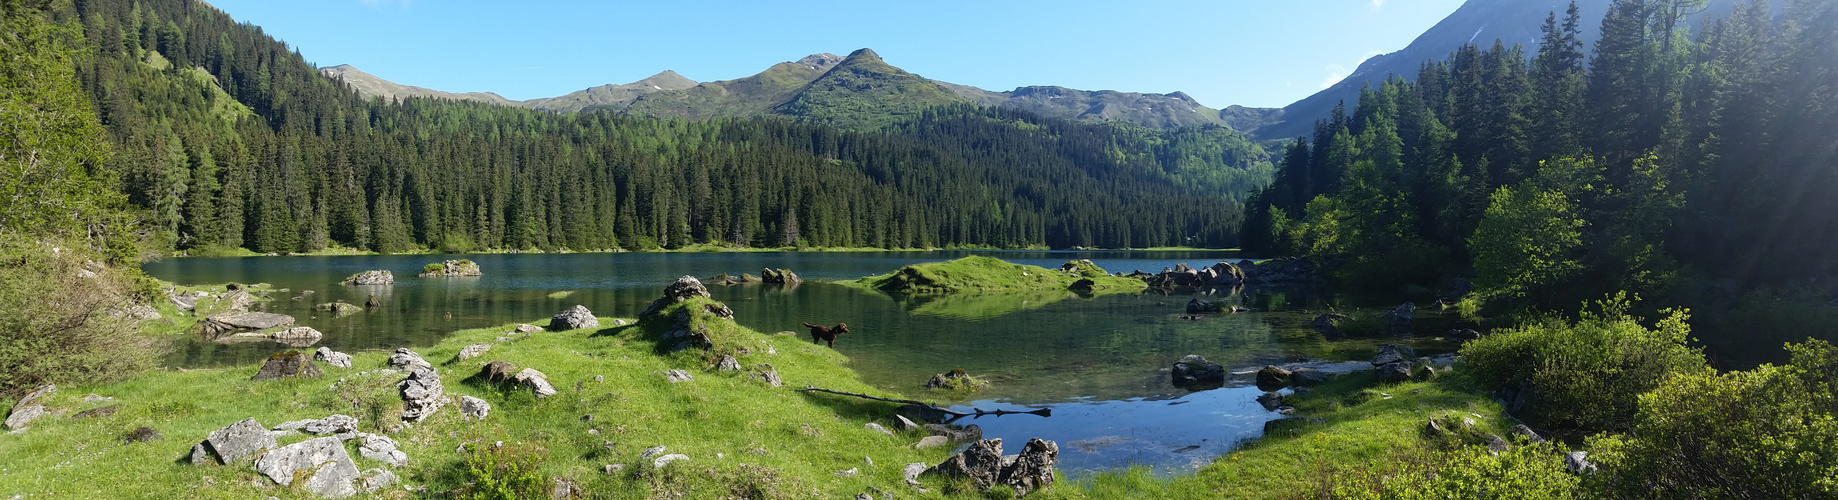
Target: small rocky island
461	268
371	278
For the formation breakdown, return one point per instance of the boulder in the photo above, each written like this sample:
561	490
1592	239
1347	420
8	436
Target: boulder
378	277
1527	432
339	309
328	356
143	434
1224	274
1270	401
1305	377
536	381
574	318
1497	444
237	299
1393	372
452	269
299	336
1193	372
985	467
474	408
527	329
683	289
877	428
288	365
1577	462
765	373
183	302
780	276
664	460
375	479
421	393
498	372
472	351
334	424
321	462
1197	306
1271	378
405	359
963	434
932	442
235	441
229	322
727	364
1393	353
29	408
675	376
904	424
1328	325
380	448
1400	318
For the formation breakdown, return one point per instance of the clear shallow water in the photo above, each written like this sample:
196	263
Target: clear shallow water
1100	363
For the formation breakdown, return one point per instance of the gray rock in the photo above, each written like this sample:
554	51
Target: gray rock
332	470
339	309
536	381
299	336
330	425
1577	462
1033	469
455	269
911	473
1399	319
727	364
1271	378
183	302
474	408
1529	434
683	289
981	464
564	489
378	277
376	479
779	276
219	324
380	448
765	373
288	364
238	440
1270	401
421	392
201	453
1328	325
23	416
1393	372
651	452
328	356
405	359
1198	306
612	469
1193	372
574	318
662	461
904	424
932	442
472	351
1393	353
877	428
675	376
1497	444
527	329
963	434
1303	377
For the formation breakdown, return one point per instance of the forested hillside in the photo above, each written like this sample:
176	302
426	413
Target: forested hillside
1665	153
232	140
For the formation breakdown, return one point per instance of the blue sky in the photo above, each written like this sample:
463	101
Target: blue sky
1264	53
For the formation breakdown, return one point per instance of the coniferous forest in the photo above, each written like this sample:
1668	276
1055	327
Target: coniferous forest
1662	152
232	140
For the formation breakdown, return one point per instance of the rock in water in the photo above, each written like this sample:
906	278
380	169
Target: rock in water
421	392
405	359
1193	372
1393	353
235	441
222	323
474	408
1271	378
780	276
339	309
1397	321
1302	377
299	336
1197	306
379	277
574	318
328	356
287	365
453	269
684	288
322	462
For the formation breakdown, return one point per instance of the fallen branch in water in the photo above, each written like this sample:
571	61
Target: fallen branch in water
978	412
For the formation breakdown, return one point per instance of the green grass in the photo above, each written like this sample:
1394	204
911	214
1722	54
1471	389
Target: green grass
979	274
768	439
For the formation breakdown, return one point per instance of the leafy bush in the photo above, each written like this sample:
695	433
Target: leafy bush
1763	433
1587	375
1528	471
57	326
434	268
507	472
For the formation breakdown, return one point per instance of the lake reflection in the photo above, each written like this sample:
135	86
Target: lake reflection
1101	363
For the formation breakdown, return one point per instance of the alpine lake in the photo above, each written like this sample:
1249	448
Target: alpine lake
1101	364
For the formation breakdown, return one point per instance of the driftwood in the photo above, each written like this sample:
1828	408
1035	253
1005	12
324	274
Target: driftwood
977	412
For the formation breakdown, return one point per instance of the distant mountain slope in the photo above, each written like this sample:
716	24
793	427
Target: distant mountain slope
373	86
869	86
1477	21
615	95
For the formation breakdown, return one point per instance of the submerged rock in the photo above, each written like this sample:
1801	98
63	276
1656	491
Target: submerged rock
1193	372
780	276
339	309
1271	378
222	323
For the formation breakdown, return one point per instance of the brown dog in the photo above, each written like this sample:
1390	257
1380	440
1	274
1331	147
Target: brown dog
820	333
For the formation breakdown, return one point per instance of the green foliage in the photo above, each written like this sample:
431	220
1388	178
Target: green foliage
1763	433
1527	471
434	267
1526	241
1586	375
508	472
58	327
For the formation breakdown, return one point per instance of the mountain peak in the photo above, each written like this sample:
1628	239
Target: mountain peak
820	61
666	80
865	53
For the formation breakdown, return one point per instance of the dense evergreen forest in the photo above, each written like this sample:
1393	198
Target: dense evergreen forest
1667	152
231	140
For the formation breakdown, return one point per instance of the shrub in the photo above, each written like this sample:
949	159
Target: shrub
1763	433
505	472
434	268
1587	375
56	326
1529	471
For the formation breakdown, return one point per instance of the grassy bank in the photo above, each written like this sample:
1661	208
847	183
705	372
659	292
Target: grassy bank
989	275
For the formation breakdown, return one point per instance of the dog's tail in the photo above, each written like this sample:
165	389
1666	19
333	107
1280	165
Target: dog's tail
808	325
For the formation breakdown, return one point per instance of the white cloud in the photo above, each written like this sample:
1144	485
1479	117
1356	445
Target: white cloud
1376	4
1335	73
